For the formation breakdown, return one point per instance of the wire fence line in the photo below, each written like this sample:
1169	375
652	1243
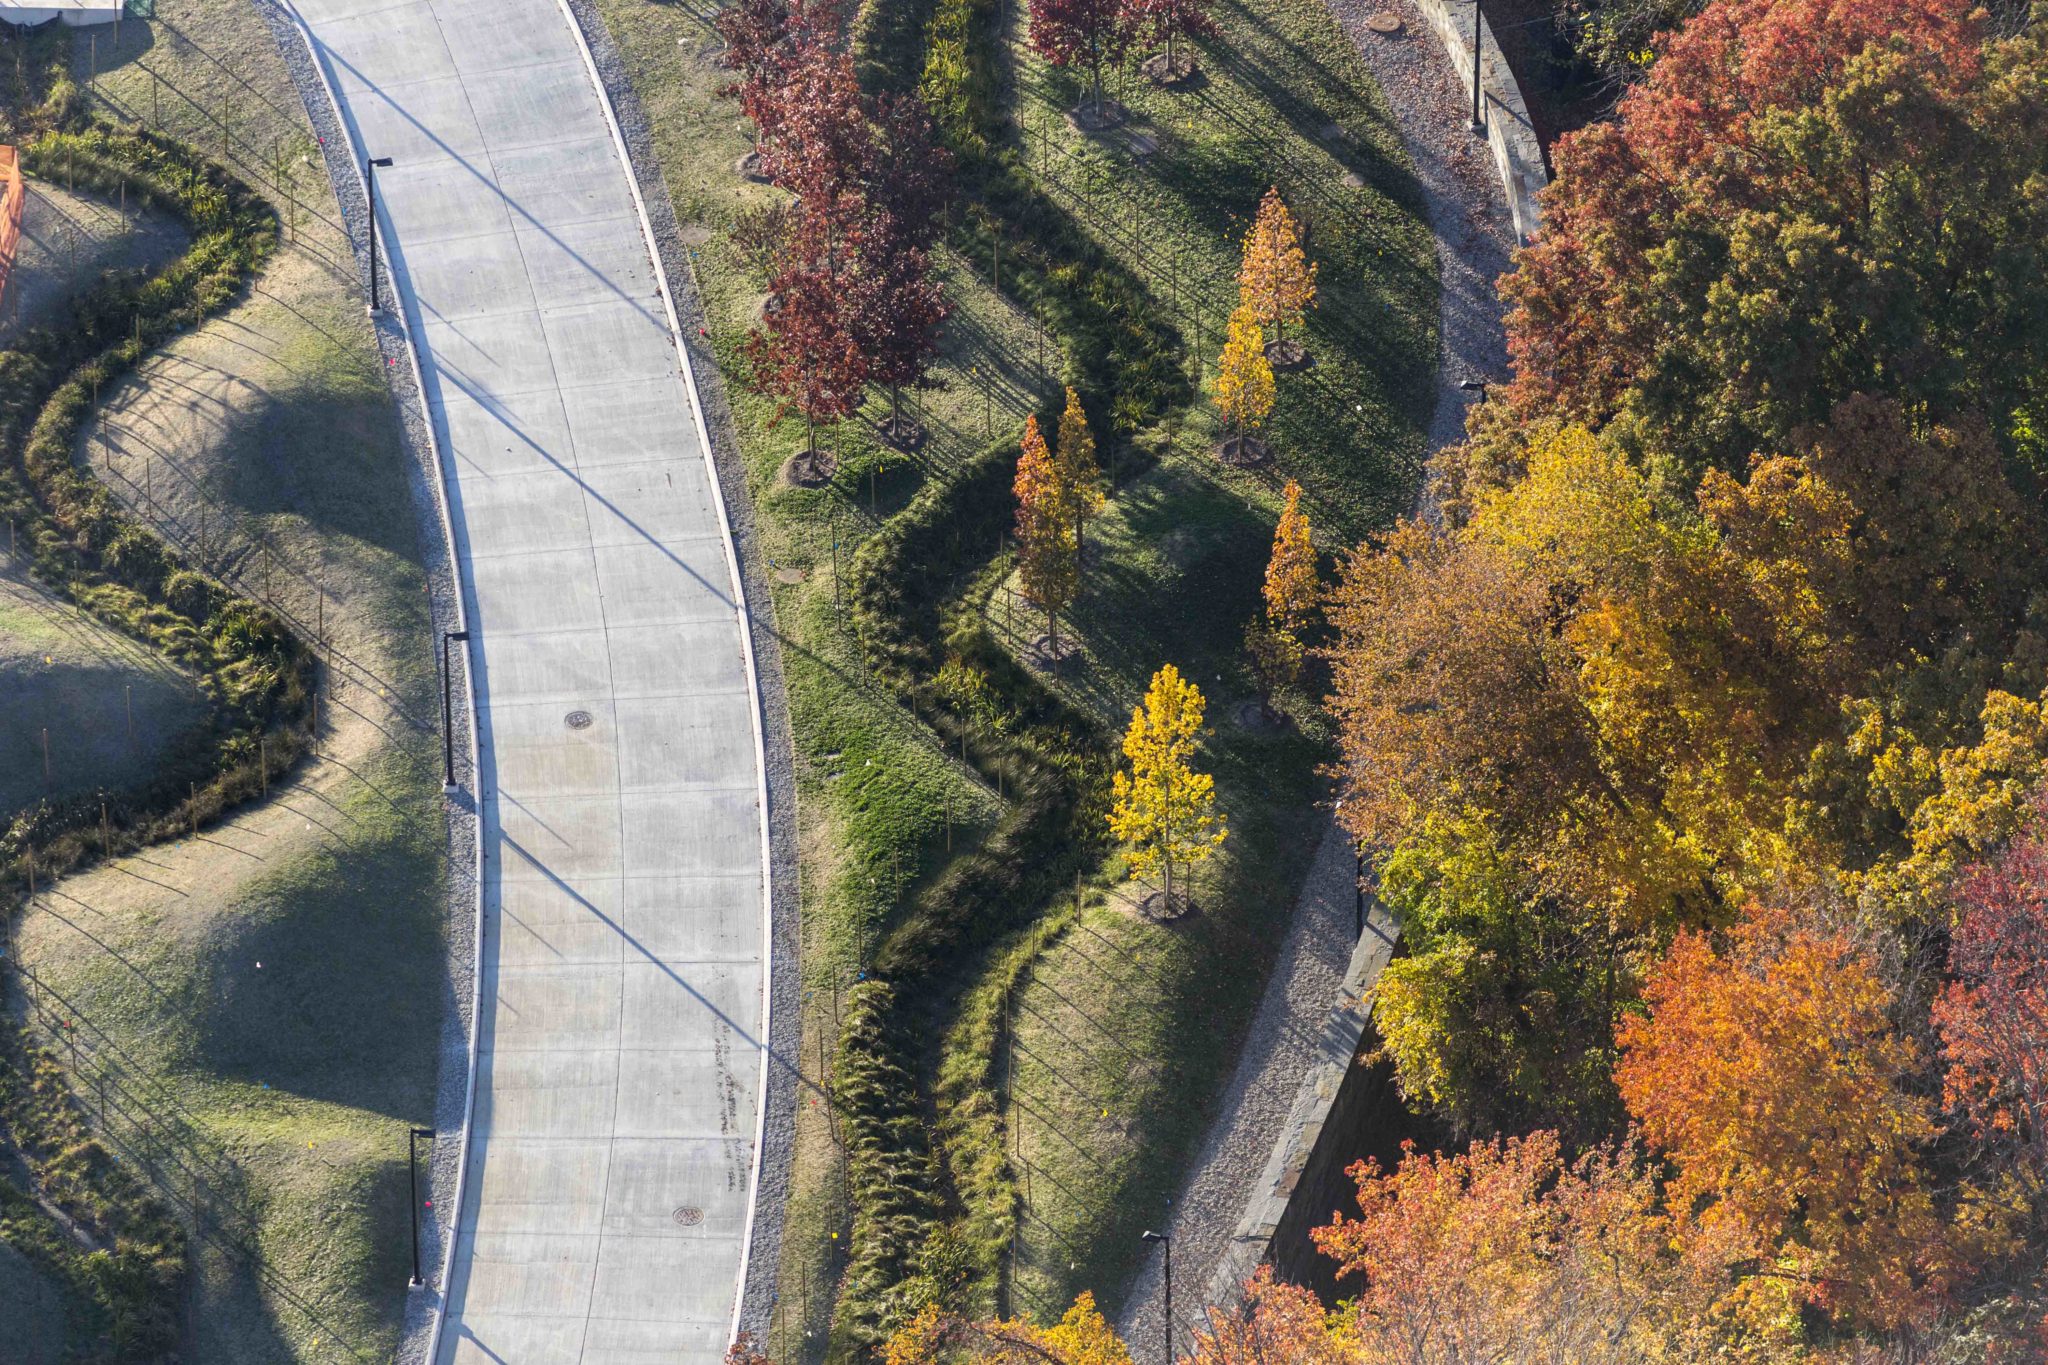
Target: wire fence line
158	1138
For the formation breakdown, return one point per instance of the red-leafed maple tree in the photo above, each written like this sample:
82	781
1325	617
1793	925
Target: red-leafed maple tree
1083	32
807	354
1993	1017
896	304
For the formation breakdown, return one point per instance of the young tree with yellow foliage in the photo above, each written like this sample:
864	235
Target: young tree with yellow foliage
1048	558
1080	476
1274	639
1244	387
1081	1337
1165	811
1276	280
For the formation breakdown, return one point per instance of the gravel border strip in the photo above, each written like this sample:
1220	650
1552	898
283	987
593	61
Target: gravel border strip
453	1093
777	1149
1468	215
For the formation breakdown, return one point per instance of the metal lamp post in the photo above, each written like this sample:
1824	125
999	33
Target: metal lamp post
1166	1243
412	1161
1478	29
447	714
370	177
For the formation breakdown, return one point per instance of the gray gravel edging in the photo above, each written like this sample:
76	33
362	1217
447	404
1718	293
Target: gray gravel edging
778	1132
1260	1123
449	612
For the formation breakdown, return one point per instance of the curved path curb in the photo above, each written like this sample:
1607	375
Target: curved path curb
1475	233
606	1201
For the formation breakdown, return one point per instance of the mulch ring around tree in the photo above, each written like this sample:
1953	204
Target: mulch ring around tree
1160	908
1050	656
810	468
901	433
752	167
1288	355
1243	452
1255	715
1183	69
1087	119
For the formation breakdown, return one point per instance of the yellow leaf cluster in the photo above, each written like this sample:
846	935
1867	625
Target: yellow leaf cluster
1275	280
1244	377
1165	811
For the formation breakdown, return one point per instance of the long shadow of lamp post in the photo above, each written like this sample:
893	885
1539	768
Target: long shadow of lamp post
412	1161
1166	1244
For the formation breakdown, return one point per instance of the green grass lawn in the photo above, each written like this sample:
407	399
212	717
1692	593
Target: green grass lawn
265	446
1126	1029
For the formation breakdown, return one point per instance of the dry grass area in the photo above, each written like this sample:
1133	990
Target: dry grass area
270	992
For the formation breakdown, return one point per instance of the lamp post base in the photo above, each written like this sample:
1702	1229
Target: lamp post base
449	788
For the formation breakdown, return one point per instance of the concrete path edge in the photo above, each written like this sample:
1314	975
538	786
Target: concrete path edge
406	339
774	1153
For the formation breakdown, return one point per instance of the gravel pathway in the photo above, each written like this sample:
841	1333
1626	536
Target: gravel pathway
1474	235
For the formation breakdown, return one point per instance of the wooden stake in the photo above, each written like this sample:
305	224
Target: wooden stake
128	704
46	755
106	836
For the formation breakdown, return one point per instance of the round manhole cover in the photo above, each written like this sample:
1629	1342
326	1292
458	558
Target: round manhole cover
1386	22
689	1217
577	720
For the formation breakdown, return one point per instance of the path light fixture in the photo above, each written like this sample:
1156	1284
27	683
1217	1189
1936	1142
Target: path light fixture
370	178
1478	30
1165	1243
447	716
412	1161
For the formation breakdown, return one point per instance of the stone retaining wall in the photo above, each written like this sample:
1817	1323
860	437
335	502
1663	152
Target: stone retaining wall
1516	151
1294	1191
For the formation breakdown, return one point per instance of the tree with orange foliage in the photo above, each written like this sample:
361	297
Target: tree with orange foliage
1277	1324
1292	586
1771	1075
1048	560
1275	280
1508	1252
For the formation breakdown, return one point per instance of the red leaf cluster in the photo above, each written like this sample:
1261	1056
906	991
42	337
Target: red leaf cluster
851	298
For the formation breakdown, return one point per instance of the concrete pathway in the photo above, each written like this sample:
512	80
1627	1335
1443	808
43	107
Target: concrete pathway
606	1191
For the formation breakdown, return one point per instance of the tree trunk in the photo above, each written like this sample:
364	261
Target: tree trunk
1052	634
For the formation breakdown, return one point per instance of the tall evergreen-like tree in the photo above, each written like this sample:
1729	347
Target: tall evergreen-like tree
1048	558
1165	812
1275	281
1079	475
1244	379
1273	640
